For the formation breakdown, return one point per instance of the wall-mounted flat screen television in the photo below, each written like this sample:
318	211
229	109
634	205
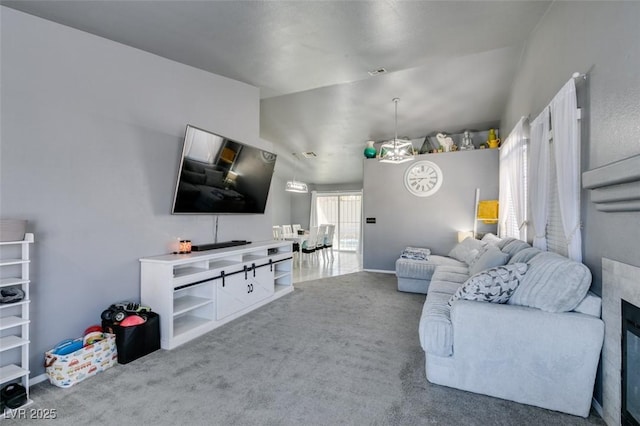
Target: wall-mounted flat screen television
219	175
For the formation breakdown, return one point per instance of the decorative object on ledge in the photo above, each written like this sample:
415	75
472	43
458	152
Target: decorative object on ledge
467	142
428	146
370	150
492	139
446	142
615	187
396	151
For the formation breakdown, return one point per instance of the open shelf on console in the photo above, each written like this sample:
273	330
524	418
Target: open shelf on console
198	292
187	323
188	303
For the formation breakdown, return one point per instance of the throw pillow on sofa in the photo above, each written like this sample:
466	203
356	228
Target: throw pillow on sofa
467	250
490	256
553	283
503	242
495	285
490	238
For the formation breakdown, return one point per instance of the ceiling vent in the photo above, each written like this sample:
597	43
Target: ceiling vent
309	154
378	71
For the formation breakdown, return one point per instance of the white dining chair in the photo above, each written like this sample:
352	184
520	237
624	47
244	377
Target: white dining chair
309	243
328	239
287	231
295	228
277	233
322	232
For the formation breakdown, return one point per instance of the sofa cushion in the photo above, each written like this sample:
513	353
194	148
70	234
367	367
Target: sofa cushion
467	250
423	269
494	285
445	287
455	274
214	178
459	269
503	242
590	305
515	246
525	255
489	257
553	283
434	330
193	177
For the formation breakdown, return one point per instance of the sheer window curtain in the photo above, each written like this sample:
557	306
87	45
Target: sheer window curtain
512	215
503	199
313	214
539	177
564	118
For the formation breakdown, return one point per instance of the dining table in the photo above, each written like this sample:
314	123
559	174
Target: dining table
299	238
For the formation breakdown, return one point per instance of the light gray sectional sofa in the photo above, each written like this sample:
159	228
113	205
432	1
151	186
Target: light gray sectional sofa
541	347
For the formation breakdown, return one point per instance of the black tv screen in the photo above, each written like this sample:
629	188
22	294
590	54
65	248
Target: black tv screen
220	175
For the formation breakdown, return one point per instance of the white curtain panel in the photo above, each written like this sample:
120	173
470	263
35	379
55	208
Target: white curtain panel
503	199
539	177
313	216
512	175
564	121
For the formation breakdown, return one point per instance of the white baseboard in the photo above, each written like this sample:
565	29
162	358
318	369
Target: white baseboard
38	379
380	271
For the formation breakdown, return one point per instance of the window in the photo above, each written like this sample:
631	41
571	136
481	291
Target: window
345	211
514	183
556	241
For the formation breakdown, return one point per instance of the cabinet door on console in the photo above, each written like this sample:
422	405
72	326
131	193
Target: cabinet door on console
262	285
242	290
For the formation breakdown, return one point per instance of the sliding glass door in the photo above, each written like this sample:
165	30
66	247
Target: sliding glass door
344	210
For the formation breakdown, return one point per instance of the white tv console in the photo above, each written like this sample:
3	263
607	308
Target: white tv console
197	292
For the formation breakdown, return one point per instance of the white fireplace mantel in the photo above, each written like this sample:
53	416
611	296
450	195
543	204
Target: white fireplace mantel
616	186
619	281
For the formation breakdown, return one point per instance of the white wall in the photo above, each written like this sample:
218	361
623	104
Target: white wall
280	201
91	135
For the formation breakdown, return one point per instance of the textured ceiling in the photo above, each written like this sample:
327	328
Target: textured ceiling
451	63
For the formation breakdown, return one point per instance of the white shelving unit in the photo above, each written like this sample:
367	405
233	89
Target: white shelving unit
14	317
198	292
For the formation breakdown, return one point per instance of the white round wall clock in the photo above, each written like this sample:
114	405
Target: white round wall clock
423	178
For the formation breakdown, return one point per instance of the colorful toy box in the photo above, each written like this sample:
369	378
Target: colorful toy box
66	370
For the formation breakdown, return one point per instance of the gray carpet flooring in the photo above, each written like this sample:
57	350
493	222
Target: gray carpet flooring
337	351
